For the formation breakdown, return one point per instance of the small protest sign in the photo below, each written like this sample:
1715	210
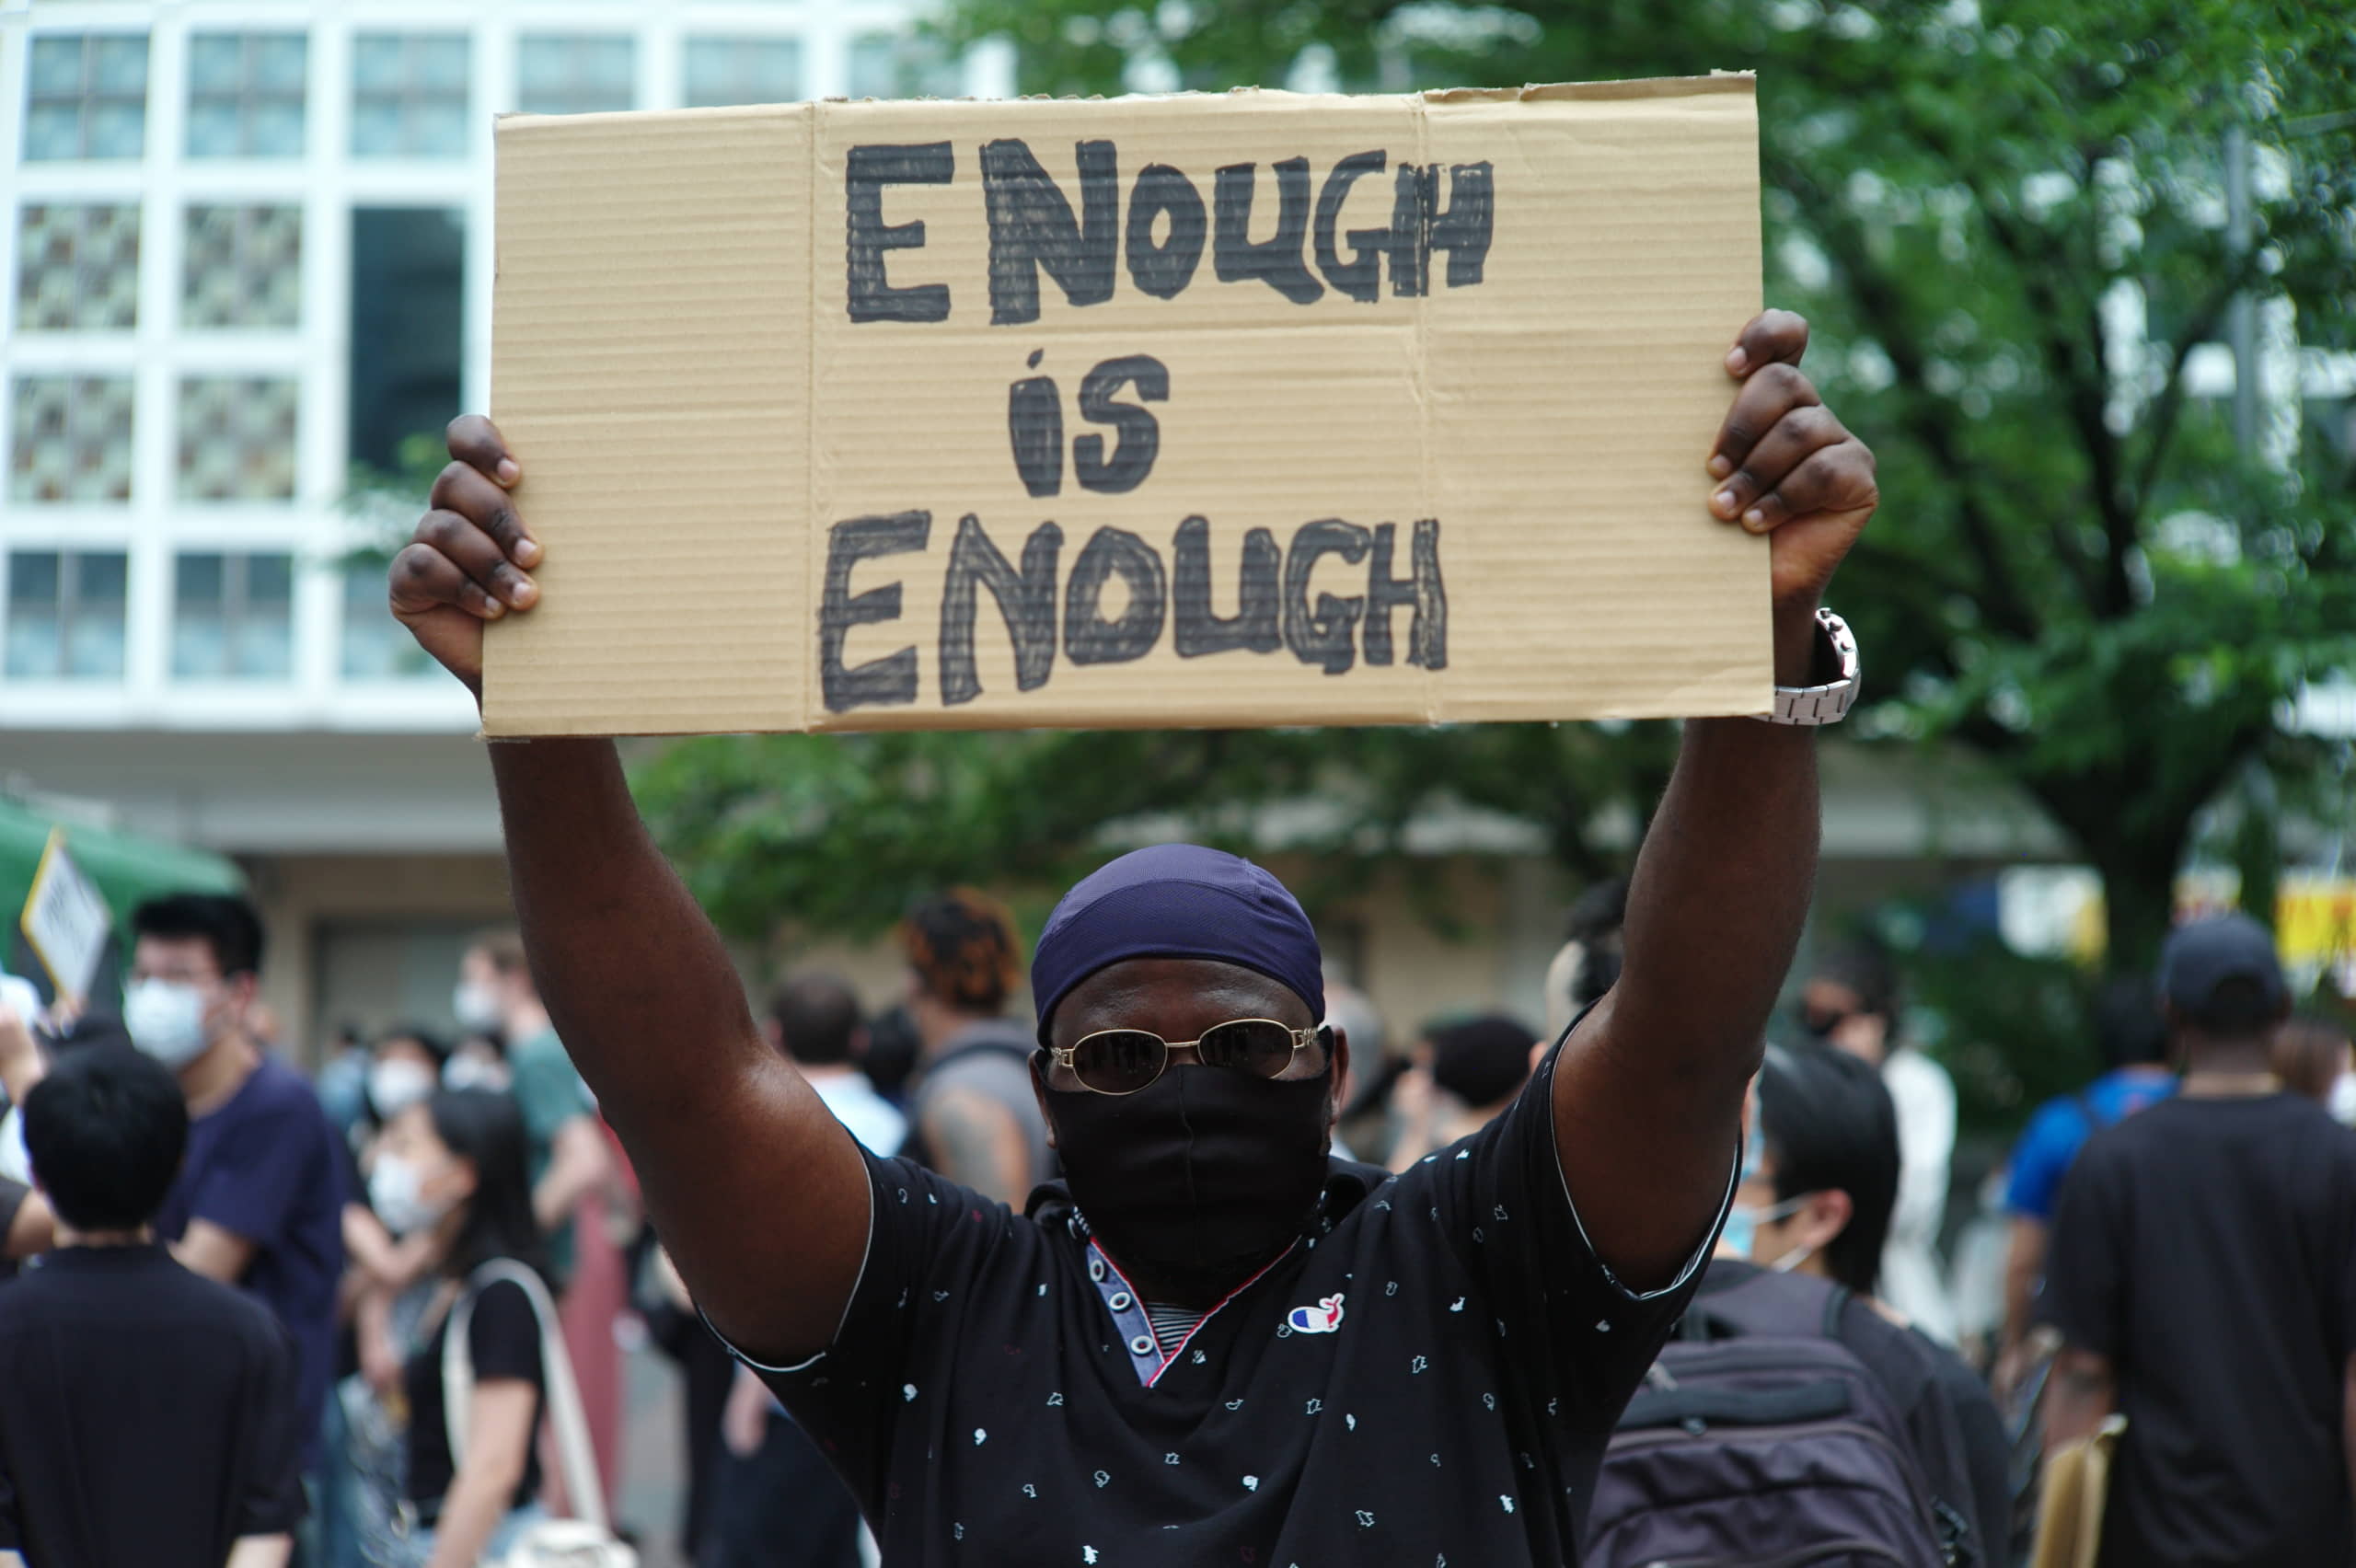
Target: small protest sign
1252	409
65	921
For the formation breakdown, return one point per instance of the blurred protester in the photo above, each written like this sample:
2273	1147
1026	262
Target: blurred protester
975	1117
2311	1057
1475	1067
574	1169
477	1061
2202	1275
453	1172
405	1065
148	1415
1851	1002
27	1224
1366	1082
779	1504
259	1202
1820	1200
568	1158
342	1078
2134	1048
1589	963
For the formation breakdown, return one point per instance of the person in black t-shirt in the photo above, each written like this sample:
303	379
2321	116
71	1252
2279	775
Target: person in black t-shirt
147	1414
1819	1202
1214	1343
2202	1275
454	1170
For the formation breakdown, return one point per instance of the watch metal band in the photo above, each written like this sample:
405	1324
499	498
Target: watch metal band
1828	703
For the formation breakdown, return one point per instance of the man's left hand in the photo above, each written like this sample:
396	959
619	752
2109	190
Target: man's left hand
1787	468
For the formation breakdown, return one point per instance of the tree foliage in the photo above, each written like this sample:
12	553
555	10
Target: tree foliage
2009	226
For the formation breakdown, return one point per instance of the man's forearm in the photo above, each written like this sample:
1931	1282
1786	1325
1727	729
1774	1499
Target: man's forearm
2078	1396
1719	895
628	967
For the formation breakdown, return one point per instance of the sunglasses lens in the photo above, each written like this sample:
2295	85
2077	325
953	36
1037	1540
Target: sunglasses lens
1119	1061
1256	1045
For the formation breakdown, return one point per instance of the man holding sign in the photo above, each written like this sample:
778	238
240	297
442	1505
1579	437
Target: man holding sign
1217	1345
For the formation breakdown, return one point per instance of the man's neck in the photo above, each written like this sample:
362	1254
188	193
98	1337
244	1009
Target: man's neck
938	1023
524	1021
208	1082
2223	1061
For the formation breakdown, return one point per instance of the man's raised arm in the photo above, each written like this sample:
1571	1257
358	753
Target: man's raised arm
1648	1093
755	1189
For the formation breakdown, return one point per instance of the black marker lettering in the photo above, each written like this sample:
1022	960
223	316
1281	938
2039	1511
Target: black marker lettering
1089	638
1277	260
1464	230
1140	438
1322	637
1032	228
880	682
1361	277
1163	270
1410	235
1422	589
865	173
1025	598
1257	622
1034	429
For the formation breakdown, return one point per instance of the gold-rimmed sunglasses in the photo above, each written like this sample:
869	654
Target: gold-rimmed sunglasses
1123	1061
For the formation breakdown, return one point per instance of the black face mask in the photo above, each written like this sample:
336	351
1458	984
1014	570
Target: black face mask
1201	1177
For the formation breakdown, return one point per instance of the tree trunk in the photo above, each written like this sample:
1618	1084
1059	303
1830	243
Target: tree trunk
2139	897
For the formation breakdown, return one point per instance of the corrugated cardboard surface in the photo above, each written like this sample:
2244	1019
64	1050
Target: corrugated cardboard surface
676	366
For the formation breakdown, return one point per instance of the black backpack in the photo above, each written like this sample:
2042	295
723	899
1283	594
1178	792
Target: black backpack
1759	1439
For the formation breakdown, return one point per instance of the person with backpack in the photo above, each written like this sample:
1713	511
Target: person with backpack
1795	1419
453	1167
976	1120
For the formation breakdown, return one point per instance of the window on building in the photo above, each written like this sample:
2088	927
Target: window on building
891	65
233	617
85	95
78	267
65	615
561	75
721	71
237	437
245	95
408	95
408	309
376	646
69	439
242	267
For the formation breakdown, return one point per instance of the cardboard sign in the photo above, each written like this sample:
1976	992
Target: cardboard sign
1257	409
65	921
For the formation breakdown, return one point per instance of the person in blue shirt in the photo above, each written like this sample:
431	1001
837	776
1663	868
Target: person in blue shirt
2134	1045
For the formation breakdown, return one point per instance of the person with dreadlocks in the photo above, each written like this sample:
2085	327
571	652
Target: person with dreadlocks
976	1120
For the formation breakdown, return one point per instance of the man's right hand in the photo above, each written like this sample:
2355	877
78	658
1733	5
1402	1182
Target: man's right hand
466	563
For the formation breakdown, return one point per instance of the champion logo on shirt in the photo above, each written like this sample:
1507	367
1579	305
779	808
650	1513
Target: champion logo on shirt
1321	1318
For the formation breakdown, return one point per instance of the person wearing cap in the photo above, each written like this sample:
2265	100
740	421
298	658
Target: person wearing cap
2202	1277
1211	1343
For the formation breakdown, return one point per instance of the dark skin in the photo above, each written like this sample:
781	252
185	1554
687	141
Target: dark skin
1183	996
641	991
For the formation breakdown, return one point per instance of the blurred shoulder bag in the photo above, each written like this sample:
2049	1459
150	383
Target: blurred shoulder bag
2077	1483
585	1540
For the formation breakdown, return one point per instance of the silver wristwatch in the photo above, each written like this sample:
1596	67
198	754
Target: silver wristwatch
1830	703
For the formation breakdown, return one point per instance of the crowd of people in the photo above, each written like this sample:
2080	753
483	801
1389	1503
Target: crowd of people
233	1344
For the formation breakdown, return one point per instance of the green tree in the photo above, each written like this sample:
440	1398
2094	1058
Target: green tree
2010	226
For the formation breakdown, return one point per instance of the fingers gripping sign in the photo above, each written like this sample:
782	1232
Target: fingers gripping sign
467	560
1786	467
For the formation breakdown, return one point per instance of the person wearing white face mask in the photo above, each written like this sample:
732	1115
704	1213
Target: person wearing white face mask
1819	1181
259	1200
449	1178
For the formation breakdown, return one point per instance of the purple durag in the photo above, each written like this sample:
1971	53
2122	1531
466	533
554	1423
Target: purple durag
1177	901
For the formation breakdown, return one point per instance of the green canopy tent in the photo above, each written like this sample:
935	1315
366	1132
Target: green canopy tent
125	867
